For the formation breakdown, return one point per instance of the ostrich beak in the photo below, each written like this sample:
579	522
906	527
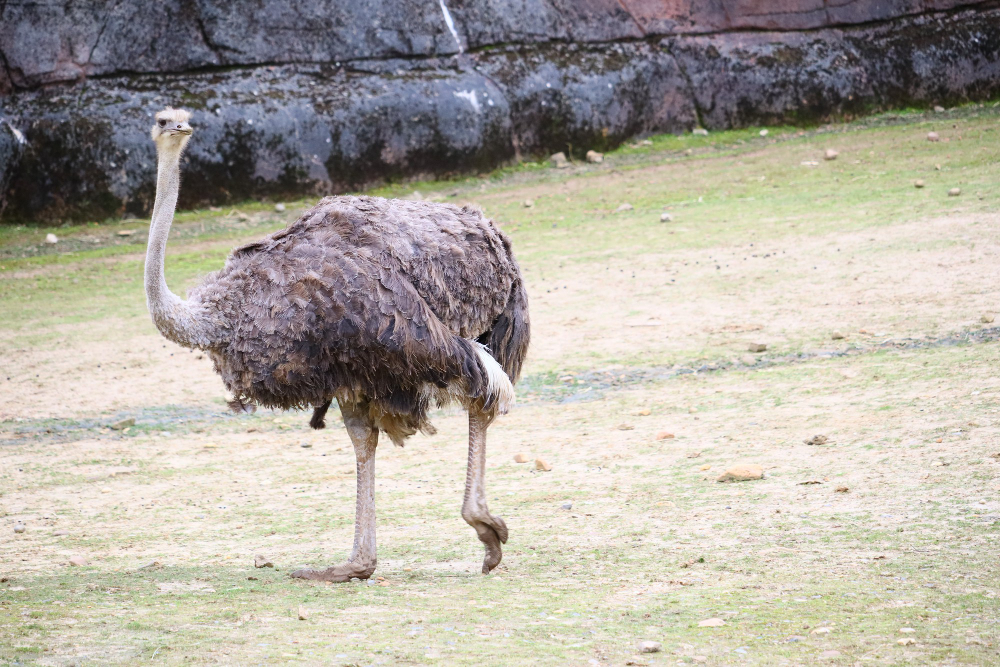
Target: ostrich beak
179	128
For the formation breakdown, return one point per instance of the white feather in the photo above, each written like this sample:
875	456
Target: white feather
498	385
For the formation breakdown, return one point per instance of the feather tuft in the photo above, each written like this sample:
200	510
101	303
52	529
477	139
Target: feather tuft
499	390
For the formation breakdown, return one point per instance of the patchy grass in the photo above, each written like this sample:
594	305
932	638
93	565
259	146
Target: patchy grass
640	327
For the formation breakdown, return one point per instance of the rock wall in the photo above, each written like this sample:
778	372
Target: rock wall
318	96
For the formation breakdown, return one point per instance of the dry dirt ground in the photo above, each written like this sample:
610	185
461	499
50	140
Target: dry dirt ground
877	547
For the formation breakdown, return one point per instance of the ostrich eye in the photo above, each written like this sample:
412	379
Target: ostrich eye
162	122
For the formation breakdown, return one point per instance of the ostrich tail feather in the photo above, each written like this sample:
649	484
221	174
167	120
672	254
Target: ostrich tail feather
499	390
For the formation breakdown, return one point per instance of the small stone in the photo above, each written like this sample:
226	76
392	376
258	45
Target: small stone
692	410
907	631
126	232
242	216
919	183
19	527
830	154
954	192
542	464
558	160
938	109
763	132
51	239
704	467
60	533
567	506
748	360
522	458
306	445
279	207
906	641
836	335
842	489
933	136
817	440
260	561
624	207
821	631
78	561
666	217
594	157
744	472
694	455
757	347
650	647
664	435
625	427
711	623
528	203
303	614
122	425
700	131
645	412
987	318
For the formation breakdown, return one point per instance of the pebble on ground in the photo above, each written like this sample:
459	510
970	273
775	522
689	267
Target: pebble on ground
744	472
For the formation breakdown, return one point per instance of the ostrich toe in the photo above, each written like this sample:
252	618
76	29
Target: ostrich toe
492	532
336	573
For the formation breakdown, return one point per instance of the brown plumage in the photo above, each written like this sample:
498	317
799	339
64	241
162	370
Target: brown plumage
383	305
373	298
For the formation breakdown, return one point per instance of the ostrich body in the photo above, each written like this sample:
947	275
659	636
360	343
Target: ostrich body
381	305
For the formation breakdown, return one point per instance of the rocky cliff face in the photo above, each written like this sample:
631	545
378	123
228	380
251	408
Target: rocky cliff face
319	96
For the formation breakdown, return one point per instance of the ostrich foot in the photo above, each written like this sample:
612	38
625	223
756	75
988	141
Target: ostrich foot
337	573
492	532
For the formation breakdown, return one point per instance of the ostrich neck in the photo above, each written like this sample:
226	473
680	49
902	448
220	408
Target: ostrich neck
178	320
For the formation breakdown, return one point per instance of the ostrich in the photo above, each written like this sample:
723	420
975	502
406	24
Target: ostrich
383	305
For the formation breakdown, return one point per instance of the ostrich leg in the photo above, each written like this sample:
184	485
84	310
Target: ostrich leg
361	564
491	529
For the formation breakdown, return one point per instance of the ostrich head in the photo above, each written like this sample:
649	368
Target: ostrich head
171	131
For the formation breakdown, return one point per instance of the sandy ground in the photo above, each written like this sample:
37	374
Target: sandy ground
842	553
915	280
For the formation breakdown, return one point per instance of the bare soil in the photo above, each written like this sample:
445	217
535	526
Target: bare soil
886	532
